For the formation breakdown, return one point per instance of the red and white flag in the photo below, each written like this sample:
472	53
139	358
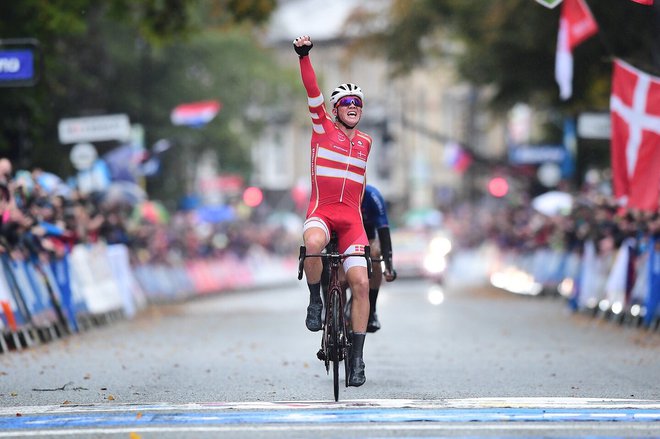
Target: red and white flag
576	24
195	114
635	113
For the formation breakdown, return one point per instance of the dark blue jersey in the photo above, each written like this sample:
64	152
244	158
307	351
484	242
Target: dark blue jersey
374	213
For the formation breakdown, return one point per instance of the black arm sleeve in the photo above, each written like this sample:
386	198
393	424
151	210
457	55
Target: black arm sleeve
385	246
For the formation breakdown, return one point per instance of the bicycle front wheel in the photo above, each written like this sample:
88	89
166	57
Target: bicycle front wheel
336	341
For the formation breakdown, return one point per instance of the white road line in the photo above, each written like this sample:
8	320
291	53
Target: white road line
469	403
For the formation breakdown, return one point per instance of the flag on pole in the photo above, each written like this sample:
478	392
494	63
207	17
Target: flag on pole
456	157
635	151
195	114
576	24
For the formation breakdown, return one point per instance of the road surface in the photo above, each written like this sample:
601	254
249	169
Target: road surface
458	360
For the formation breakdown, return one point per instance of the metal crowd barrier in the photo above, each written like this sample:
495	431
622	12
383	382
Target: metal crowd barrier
94	285
620	284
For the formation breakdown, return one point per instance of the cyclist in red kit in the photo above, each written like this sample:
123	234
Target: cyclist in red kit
338	170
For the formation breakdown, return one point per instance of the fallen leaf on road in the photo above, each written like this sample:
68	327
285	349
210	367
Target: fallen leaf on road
111	398
138	416
134	435
14	394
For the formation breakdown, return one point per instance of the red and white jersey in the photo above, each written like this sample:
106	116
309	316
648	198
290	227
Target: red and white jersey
339	164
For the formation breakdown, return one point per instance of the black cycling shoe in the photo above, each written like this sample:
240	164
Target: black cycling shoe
356	376
313	320
373	324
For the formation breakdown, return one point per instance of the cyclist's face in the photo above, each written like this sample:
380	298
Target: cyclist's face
349	114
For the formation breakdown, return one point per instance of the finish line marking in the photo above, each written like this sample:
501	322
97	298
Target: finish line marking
436	428
259	415
466	403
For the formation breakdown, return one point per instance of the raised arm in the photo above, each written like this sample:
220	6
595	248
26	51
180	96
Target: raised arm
302	45
309	79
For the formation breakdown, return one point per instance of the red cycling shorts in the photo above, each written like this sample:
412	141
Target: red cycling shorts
346	221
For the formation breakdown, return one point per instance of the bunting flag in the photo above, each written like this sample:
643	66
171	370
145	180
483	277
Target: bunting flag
635	151
576	24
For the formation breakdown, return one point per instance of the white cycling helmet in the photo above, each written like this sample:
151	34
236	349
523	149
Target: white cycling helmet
347	89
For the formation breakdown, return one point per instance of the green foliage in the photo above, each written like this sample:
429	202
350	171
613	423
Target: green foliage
139	58
223	66
511	44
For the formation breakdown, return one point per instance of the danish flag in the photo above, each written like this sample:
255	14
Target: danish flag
576	24
635	114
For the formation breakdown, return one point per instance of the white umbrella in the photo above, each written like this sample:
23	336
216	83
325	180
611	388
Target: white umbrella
553	203
124	192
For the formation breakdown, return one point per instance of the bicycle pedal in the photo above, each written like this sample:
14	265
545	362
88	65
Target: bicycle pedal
320	355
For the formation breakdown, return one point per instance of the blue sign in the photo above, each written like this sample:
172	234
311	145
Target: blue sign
536	154
17	65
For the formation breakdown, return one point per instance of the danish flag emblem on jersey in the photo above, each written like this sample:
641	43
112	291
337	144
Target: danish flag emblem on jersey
635	113
359	248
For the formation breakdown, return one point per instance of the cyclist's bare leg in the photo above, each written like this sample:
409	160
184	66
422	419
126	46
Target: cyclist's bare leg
359	284
374	287
315	240
377	275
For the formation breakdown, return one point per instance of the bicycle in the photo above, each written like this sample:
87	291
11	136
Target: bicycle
335	340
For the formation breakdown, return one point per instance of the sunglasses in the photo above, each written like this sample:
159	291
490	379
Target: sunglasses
350	100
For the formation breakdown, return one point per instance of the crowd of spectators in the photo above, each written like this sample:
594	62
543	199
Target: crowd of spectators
597	253
520	227
43	216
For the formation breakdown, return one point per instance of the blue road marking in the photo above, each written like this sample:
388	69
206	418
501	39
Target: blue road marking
328	416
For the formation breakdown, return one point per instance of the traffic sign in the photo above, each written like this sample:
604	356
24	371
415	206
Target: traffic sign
83	156
19	62
94	129
594	125
536	154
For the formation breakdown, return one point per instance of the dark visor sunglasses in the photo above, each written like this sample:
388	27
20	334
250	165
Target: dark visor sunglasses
350	100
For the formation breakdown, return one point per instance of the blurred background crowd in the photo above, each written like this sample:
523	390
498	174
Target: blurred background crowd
44	216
